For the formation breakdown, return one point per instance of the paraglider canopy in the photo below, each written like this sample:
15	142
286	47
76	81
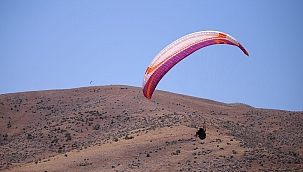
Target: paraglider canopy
177	51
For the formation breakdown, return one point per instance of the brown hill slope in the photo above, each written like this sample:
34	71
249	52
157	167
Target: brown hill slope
115	128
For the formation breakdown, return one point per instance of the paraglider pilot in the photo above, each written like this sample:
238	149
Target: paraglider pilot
201	133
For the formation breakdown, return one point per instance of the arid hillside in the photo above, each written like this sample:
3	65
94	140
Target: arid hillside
115	128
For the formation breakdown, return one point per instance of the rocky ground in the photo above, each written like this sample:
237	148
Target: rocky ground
115	128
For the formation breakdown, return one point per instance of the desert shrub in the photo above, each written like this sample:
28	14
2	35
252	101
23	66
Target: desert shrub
234	152
9	125
29	136
5	136
96	127
55	140
176	153
128	137
68	137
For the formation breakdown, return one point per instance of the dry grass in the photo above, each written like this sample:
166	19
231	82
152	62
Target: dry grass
115	128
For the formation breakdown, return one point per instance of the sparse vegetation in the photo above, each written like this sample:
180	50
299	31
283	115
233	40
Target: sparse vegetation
68	137
128	137
36	125
176	152
9	125
96	127
29	136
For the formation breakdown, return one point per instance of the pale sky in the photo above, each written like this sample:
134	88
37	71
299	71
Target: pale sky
46	45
